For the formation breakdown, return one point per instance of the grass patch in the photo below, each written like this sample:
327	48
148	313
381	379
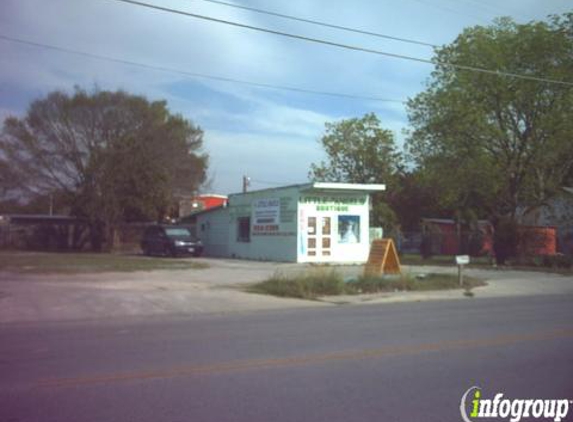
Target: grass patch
309	285
316	283
410	283
73	263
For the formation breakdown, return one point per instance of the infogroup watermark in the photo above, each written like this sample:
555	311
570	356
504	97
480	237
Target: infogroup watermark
474	406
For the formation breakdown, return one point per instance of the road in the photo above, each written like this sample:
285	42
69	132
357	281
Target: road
392	362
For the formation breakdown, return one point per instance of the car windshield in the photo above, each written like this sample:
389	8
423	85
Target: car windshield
177	231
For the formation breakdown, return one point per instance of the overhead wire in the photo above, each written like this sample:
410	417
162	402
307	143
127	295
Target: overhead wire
344	46
196	75
321	23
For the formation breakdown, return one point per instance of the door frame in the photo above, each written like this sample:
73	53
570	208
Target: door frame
319	237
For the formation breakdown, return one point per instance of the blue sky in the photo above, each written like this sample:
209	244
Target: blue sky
270	135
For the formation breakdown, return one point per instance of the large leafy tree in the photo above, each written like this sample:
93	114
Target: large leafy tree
494	143
359	150
114	156
412	198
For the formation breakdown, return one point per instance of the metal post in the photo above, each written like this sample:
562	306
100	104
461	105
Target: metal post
461	275
246	183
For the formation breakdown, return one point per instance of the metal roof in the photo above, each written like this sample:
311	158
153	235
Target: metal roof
334	186
193	215
363	187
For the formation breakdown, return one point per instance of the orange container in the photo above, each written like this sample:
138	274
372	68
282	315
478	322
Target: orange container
534	240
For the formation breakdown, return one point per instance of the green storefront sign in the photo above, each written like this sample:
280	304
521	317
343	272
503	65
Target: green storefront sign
333	203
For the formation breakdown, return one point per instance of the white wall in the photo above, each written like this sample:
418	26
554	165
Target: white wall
213	230
339	207
274	241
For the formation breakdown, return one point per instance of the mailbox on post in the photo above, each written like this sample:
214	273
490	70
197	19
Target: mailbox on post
462	260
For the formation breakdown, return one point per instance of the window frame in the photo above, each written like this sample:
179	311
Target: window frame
244	229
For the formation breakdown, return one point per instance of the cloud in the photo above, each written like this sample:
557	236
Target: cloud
270	133
267	158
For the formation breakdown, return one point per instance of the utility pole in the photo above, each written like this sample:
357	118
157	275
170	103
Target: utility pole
246	183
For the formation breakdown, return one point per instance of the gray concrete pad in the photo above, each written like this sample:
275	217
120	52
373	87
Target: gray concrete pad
218	289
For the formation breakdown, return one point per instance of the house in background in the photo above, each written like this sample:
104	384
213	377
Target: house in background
43	232
201	202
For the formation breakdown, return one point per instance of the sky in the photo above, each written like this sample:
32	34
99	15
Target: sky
270	135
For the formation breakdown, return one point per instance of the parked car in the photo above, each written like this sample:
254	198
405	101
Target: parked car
170	240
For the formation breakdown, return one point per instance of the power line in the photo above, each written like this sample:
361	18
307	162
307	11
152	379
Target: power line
321	23
345	46
196	75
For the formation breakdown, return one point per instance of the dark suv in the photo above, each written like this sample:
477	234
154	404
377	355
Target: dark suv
170	240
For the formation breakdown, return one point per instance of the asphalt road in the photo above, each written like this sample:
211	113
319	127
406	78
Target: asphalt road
394	362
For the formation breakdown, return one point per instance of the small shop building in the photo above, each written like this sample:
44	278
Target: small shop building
311	222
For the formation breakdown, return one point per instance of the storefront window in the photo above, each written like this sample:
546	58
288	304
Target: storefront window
312	226
326	226
348	229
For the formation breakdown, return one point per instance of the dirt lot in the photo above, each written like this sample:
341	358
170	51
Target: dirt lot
215	289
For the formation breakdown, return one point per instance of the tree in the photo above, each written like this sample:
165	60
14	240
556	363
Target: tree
114	156
413	198
360	151
497	144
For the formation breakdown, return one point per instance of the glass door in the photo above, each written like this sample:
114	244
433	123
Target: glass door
326	235
319	236
311	236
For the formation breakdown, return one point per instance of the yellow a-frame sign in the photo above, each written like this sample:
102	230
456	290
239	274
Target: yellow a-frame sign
383	258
